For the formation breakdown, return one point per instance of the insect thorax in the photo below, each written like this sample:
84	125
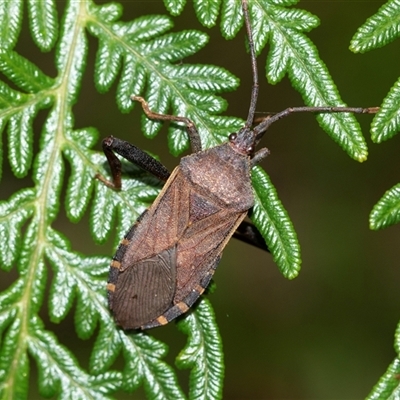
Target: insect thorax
222	173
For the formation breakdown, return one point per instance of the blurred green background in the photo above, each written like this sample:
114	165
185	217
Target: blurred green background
329	333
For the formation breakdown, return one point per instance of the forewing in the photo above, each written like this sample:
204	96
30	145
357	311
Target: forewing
145	290
199	250
160	227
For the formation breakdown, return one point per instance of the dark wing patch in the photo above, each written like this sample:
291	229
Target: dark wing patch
145	290
200	207
184	305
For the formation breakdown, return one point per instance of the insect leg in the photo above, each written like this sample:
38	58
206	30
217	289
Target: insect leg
133	154
190	126
248	233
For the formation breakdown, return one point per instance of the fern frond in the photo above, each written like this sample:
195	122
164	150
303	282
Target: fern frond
273	222
294	54
388	385
379	30
10	22
387	211
167	84
205	361
43	19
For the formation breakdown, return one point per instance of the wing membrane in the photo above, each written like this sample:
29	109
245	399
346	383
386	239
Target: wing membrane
145	290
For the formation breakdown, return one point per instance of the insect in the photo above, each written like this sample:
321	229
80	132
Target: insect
168	257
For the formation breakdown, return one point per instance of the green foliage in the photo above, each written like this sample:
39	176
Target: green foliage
387	211
388	385
379	30
274	224
146	60
203	353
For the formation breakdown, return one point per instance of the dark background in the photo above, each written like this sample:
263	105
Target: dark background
329	333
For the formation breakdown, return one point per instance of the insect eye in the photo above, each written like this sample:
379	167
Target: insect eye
232	137
250	150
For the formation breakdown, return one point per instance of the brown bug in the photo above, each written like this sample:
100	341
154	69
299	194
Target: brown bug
168	257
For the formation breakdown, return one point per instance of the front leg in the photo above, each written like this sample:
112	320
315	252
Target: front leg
134	155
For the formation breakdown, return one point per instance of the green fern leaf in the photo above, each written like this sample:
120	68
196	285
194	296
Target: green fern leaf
75	273
272	221
107	12
44	23
293	53
10	22
13	214
14	384
133	79
143	354
127	203
80	184
6	316
388	385
397	340
106	348
26	75
175	7
146	28
175	46
387	211
20	140
67	378
167	84
101	221
9	98
107	64
8	297
379	30
231	18
24	300
298	57
72	47
386	122
49	182
207	11
203	356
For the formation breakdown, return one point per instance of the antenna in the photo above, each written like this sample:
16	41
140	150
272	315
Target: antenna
254	90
